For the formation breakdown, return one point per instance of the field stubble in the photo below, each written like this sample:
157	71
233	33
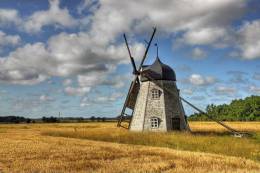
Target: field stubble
94	147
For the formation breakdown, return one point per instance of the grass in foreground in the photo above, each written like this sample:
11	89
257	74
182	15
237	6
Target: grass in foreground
25	149
202	140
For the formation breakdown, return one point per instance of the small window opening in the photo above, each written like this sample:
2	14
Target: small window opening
155	94
154	122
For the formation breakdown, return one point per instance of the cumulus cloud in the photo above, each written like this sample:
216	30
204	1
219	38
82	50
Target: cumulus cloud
254	89
224	90
95	79
11	40
45	98
80	91
113	17
187	91
90	5
53	16
86	101
96	52
204	36
64	55
26	65
199	80
110	98
198	53
249	40
9	17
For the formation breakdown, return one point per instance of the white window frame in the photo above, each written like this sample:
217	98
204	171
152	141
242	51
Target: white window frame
155	94
154	122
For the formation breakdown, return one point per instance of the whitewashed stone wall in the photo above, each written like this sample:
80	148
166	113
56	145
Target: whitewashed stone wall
164	108
139	111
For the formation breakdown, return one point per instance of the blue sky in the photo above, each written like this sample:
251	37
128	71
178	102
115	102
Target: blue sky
69	56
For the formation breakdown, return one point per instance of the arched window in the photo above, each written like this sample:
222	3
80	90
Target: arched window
155	94
154	122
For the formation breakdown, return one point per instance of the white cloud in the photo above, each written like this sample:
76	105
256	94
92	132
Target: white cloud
111	98
224	90
204	36
26	77
9	17
64	55
113	18
45	98
187	91
11	40
254	89
26	65
80	91
86	101
198	53
249	40
96	51
53	16
197	79
90	5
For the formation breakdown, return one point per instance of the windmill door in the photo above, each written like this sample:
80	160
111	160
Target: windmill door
176	123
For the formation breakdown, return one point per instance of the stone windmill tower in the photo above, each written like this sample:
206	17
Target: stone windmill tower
153	98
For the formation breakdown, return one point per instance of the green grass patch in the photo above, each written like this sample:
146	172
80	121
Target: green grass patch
210	142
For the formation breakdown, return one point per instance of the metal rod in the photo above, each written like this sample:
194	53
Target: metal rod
210	117
157	51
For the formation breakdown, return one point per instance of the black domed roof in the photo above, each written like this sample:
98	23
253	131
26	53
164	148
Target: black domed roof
157	71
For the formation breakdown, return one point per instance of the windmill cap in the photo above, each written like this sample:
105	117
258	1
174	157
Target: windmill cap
157	71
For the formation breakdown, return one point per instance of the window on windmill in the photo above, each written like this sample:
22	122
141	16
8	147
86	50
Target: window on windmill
154	122
155	94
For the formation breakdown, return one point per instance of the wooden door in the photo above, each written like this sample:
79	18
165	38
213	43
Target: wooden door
176	124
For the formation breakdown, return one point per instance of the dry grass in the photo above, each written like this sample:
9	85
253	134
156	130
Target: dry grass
25	149
214	127
203	139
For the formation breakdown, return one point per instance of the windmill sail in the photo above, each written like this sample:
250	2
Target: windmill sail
133	95
135	85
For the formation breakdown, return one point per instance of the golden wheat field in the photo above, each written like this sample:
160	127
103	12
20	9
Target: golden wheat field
102	147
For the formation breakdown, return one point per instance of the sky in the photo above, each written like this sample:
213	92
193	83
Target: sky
69	56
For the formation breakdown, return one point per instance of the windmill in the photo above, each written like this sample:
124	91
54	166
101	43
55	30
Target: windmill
153	99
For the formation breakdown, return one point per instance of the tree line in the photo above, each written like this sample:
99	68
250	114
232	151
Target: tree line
247	109
52	119
15	119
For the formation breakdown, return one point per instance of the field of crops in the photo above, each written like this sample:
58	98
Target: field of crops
102	147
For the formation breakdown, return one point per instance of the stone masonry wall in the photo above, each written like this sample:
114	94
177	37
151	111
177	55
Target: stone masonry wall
140	106
165	108
155	108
